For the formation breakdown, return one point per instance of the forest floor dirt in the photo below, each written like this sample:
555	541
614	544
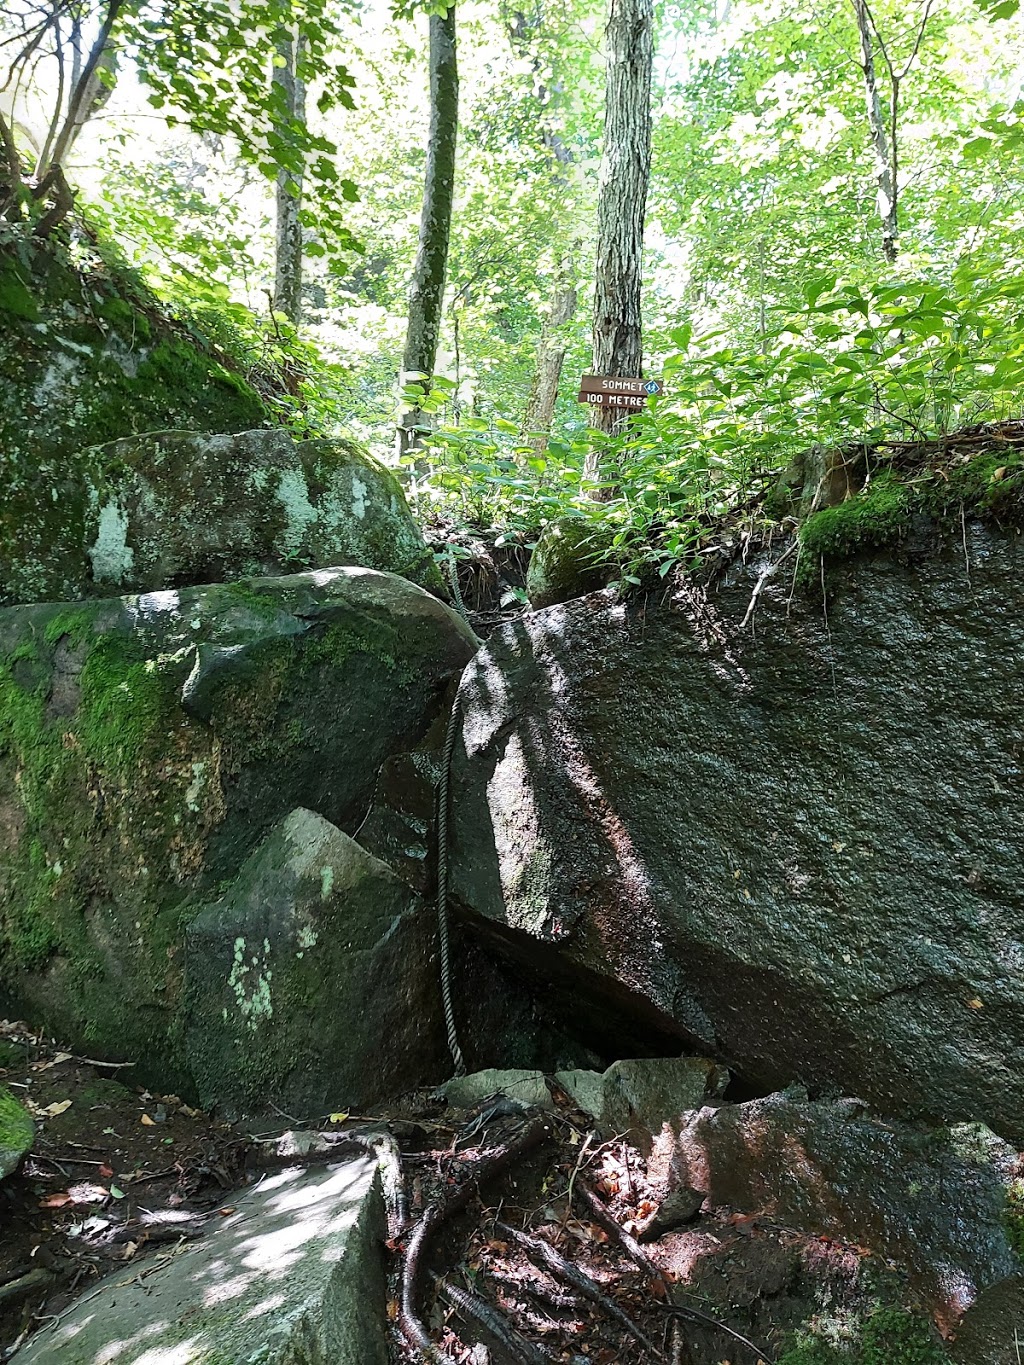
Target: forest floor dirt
116	1172
120	1174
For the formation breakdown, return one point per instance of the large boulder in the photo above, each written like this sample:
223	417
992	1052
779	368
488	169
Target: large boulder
148	744
791	839
931	1201
88	355
17	1132
175	508
292	1273
312	979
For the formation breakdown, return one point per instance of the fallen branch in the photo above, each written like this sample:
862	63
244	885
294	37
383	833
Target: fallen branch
695	1316
543	1253
489	1166
639	1257
36	1281
601	1214
492	1323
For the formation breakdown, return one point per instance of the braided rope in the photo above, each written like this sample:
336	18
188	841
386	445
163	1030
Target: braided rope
442	851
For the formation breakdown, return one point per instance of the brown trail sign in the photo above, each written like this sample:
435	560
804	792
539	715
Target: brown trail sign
615	392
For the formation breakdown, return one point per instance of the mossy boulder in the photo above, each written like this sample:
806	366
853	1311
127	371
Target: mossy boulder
931	1201
87	355
147	745
17	1132
172	509
312	981
569	560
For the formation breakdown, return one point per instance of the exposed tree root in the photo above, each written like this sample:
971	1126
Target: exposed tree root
601	1215
493	1324
639	1257
542	1253
489	1166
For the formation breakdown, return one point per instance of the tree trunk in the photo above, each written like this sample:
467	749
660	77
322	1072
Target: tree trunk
426	295
288	237
550	357
88	92
622	201
552	346
884	154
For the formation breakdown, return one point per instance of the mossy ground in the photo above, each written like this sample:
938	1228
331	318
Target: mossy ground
15	1124
888	1336
988	484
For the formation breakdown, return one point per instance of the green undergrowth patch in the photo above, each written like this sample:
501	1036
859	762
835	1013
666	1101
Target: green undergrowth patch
888	1336
15	1124
1013	1216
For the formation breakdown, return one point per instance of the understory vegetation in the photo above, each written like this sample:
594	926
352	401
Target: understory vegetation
832	260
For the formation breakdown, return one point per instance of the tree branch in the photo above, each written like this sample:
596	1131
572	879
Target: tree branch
79	101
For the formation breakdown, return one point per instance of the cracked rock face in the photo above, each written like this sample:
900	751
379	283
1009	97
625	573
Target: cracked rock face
793	842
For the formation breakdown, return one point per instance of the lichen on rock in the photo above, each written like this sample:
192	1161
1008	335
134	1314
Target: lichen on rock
146	746
311	979
176	508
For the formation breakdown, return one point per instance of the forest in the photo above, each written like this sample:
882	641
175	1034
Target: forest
511	680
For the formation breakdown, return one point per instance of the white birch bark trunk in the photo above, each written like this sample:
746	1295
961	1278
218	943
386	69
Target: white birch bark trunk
622	200
426	293
883	153
288	195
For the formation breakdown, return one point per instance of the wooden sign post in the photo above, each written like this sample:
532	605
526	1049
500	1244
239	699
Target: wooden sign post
609	391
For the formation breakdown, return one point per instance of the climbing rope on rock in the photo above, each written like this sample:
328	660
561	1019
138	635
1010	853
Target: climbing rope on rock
442	847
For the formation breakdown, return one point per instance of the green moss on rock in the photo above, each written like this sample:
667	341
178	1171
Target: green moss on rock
990	486
86	356
571	558
16	1132
173	508
887	1336
147	743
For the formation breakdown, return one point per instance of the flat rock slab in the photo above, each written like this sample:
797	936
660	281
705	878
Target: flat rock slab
295	1274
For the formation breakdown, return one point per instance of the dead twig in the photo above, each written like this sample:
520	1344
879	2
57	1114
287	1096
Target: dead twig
544	1254
601	1214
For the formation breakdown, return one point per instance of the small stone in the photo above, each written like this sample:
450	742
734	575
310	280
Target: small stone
528	1087
643	1094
